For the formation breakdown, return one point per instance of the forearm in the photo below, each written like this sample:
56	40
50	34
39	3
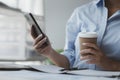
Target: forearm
115	65
58	59
111	65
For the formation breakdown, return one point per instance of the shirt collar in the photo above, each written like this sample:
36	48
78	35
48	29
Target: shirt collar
100	2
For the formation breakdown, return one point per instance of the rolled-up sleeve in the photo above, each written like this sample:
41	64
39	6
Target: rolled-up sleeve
70	55
72	30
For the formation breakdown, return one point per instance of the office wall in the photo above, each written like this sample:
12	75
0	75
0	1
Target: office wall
57	12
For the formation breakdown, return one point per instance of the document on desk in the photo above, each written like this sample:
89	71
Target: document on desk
56	69
95	73
47	68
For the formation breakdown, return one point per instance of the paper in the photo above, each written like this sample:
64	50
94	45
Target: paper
48	68
95	73
56	69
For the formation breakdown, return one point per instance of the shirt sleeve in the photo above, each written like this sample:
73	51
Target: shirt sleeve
72	30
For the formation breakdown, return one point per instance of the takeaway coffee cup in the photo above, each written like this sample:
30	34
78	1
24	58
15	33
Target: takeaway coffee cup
87	37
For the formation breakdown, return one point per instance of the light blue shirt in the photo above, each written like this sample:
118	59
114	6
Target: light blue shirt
92	17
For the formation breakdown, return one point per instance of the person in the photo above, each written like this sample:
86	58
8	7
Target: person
101	16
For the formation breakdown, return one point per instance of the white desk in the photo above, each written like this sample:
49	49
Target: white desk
32	75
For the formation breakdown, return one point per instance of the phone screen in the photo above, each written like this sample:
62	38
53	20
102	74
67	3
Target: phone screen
30	18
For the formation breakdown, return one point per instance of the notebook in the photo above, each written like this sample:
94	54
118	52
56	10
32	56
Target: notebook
83	72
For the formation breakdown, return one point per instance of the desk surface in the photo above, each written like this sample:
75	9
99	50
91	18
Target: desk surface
32	75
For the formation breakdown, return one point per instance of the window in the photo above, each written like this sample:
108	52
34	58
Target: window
15	39
12	35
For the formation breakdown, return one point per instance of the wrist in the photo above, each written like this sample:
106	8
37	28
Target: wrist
50	53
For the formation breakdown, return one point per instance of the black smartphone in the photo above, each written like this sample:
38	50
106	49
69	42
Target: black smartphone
31	20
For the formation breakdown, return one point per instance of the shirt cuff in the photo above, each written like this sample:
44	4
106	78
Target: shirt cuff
70	54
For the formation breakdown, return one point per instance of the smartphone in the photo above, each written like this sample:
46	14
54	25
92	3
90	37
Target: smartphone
31	20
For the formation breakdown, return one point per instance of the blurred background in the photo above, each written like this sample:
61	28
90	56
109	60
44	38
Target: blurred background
15	39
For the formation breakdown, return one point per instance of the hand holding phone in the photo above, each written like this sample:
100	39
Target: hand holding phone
35	29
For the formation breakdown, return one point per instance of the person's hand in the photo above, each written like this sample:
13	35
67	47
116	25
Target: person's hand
96	56
41	45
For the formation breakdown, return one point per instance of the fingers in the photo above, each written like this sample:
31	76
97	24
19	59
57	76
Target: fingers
91	45
87	57
92	49
92	56
88	51
91	59
40	43
38	39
